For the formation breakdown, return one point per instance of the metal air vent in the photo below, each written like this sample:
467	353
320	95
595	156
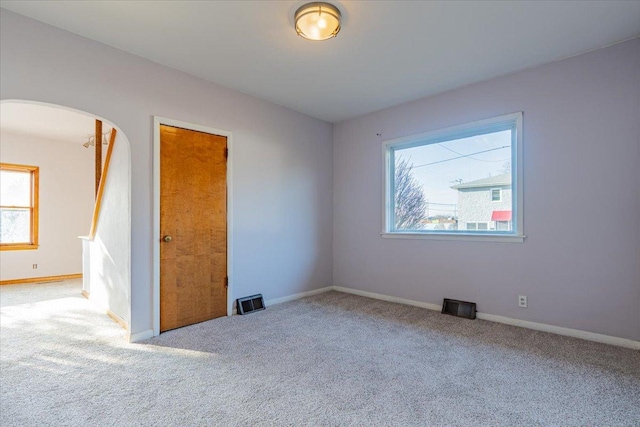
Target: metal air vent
250	304
459	308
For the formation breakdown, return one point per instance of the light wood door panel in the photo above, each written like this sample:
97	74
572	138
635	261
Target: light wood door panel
193	211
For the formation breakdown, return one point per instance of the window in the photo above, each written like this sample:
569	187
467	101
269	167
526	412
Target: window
477	226
18	207
463	182
503	225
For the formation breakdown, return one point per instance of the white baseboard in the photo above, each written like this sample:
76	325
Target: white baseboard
389	298
574	333
559	330
140	336
298	296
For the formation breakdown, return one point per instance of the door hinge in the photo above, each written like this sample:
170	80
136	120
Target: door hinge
226	153
226	282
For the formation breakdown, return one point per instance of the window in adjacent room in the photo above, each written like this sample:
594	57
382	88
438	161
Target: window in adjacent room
459	182
18	207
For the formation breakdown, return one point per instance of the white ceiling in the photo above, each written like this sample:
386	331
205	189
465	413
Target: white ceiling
388	52
53	123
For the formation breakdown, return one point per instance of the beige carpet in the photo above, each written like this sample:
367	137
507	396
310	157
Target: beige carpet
329	360
29	294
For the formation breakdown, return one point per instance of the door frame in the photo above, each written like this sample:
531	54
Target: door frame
157	121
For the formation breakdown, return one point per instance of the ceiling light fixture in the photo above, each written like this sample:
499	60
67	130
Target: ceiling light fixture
317	21
92	140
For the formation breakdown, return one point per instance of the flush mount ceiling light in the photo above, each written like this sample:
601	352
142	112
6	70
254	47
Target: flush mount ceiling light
317	21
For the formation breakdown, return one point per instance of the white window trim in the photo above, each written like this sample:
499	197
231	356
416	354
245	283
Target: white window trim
500	192
460	235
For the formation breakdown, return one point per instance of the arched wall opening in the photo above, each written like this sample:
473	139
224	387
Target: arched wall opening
106	256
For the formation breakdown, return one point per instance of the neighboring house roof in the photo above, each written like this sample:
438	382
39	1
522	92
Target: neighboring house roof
492	181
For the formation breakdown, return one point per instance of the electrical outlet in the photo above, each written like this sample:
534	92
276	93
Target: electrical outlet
522	301
35	266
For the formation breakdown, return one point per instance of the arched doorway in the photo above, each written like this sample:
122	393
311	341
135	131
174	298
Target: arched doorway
103	255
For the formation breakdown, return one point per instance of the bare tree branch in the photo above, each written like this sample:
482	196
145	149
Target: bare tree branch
410	204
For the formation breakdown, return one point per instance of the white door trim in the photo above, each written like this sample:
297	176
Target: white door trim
157	121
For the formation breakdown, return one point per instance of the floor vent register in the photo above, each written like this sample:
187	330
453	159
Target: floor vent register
459	308
250	304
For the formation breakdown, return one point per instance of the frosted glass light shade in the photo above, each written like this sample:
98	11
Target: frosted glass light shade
317	21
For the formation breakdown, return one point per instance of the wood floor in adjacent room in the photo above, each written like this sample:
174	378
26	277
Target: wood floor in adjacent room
329	360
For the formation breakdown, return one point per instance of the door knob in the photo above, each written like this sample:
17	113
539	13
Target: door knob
167	238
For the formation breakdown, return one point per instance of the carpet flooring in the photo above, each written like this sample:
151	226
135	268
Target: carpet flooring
36	292
329	360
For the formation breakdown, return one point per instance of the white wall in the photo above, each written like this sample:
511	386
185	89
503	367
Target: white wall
109	251
66	205
580	263
282	160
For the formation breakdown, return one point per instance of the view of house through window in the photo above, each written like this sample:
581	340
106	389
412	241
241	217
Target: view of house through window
18	206
458	183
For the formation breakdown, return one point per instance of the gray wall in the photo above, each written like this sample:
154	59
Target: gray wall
282	163
581	132
581	139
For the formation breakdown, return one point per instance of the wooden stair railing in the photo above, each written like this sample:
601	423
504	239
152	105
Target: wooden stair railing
98	156
102	183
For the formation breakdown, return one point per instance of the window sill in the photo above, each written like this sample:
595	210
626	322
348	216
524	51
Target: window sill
19	247
499	238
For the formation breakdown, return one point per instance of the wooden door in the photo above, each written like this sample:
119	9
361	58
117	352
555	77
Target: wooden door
193	227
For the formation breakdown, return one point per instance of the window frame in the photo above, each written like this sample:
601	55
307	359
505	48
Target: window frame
499	190
34	209
512	121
